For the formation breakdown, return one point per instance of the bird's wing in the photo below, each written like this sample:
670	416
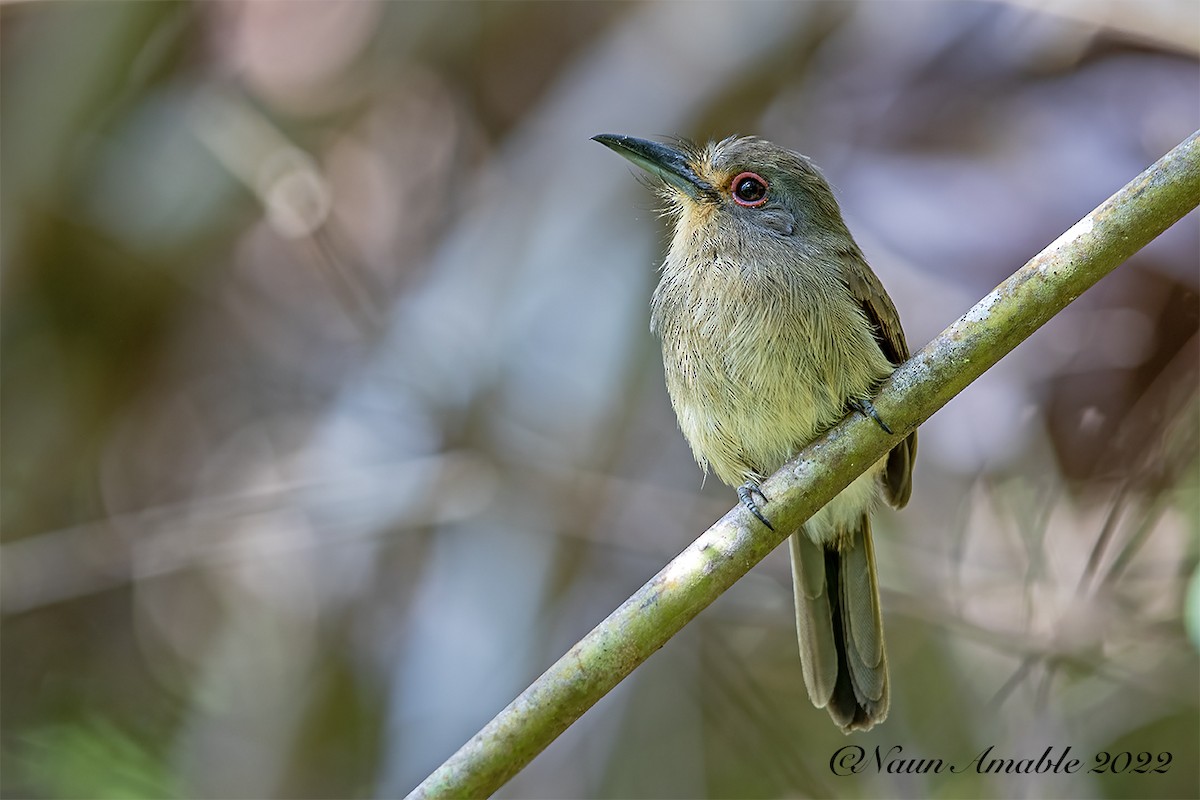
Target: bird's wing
869	292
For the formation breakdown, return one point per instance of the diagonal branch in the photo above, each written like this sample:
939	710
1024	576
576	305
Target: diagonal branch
1091	249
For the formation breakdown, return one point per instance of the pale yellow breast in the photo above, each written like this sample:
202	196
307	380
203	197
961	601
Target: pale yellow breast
757	366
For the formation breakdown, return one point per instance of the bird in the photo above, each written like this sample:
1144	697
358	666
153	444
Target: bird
773	328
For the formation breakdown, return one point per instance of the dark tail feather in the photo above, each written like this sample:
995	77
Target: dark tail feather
839	622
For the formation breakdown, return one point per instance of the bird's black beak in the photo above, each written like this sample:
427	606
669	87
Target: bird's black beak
666	163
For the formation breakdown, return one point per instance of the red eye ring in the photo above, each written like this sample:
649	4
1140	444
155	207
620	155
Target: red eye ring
748	189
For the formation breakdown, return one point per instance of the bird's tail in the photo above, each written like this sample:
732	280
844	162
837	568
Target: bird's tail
840	627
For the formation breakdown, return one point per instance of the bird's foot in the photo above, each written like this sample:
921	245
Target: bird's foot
865	408
746	493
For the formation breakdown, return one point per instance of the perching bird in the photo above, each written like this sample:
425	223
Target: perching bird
773	327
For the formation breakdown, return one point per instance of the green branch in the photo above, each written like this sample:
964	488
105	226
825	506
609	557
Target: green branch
1091	249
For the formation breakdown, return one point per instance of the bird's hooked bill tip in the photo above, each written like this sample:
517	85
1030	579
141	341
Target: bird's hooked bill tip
626	145
663	161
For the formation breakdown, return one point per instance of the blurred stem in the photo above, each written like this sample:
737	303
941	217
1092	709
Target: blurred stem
1091	249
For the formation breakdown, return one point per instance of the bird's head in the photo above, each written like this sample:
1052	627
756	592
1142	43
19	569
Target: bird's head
743	184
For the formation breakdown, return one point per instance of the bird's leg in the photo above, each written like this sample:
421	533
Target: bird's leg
865	408
746	494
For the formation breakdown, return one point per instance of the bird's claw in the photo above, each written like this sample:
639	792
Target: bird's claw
746	493
865	408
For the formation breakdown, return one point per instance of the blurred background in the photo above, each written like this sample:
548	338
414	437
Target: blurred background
331	416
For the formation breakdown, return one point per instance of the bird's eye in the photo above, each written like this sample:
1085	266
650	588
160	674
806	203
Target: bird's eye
749	189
